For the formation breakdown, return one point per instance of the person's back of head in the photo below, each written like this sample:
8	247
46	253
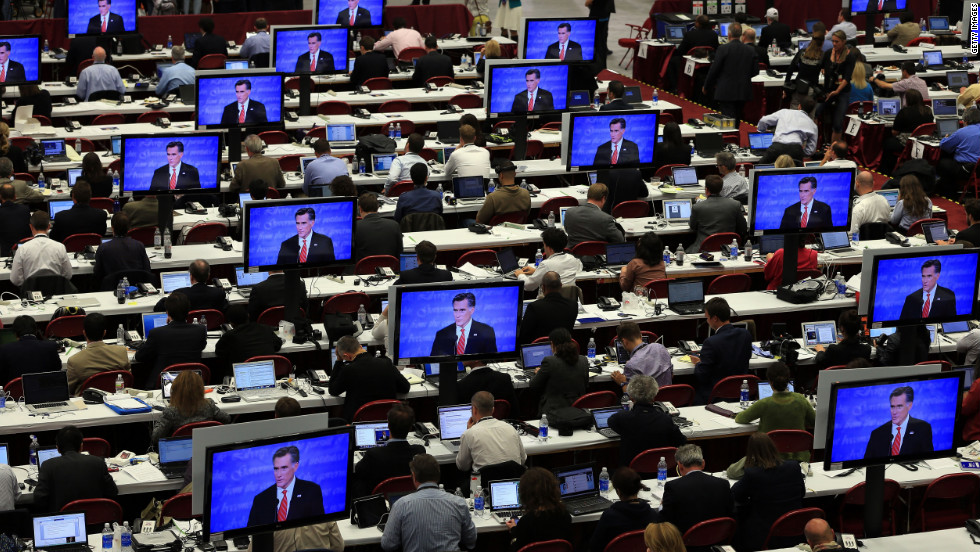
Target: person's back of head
702	22
689	456
482	401
784	161
807	105
206	24
431	43
467	135
367	42
94	326
626	482
178	53
538	491
236	315
178	305
779	376
972	207
551	282
368	203
348	345
200	271
563	346
287	407
713	184
399	23
663	537
401	419
906	17
425	468
734	32
849	323
321	147
840	149
261	24
6	168
69	439
817	532
725	160
258	189
415	143
598	192
7	192
616	89
971	116
120	224
426	252
717	307
419	174
908	67
761	452
343	186
24	325
253	144
555	239
40	221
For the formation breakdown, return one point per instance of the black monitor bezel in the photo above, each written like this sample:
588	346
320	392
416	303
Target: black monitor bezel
568	137
246	231
754	197
122	164
223	74
525	24
273	41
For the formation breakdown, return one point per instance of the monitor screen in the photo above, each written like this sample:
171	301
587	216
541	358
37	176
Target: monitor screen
170	164
306	49
59	529
770	243
945	127
945	106
408	261
932	58
765	389
576	481
819	333
938	23
684	176
153	320
956	327
172	281
249	98
532	355
4	457
74	174
46	453
620	253
935	231
349	13
175	449
609	140
560	39
903	282
803	45
676	32
677	209
23	57
781	197
505	495
810	23
101	17
276	230
236	64
891	196
428	316
167	380
242	481
889	23
509	84
340	132
381	162
957	79
55	207
453	421
760	140
370	434
53	147
871	6
865	418
259	374
467	187
245	279
888	107
432	368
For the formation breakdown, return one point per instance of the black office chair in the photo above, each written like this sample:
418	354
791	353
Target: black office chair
259	60
503	470
48	283
873	230
420	222
104	95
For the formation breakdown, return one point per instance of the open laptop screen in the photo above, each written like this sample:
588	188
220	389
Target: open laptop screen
601	416
819	333
172	281
153	320
42	387
504	495
59	529
620	253
175	449
255	375
685	176
765	389
533	355
684	292
677	209
46	453
576	481
452	421
888	107
760	140
340	133
370	434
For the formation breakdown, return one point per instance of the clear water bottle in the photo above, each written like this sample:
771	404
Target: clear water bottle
391	131
551	219
119	48
360	165
120	335
679	255
195	321
922	24
168	250
543	428
107	538
157	238
661	472
748	250
591	350
597	101
33	452
170	41
491	186
204	321
115	179
625	401
398	131
126	538
666	255
741	171
743	394
604	481
125	287
656	97
856	238
474	482
120	384
47	47
459	493
361	316
538	257
40	181
733	249
841	284
483	30
440	190
478	501
874	109
120	293
693	151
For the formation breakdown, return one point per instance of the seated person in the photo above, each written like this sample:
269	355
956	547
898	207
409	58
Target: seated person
187	405
647	266
29	354
647	359
375	235
806	260
41	255
484	378
120	253
73	475
507	198
726	353
96	357
390	460
268	294
545	517
553	310
628	514
850	346
177	342
200	294
645	426
770	488
426	272
82	218
401	166
715	214
363	377
913	203
245	339
556	259
589	222
468	159
562	377
487	441
695	496
420	199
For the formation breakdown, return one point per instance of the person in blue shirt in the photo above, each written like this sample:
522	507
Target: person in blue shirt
177	74
421	199
959	153
257	43
322	170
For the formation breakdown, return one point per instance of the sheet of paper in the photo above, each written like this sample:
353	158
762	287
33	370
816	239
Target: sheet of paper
128	404
144	472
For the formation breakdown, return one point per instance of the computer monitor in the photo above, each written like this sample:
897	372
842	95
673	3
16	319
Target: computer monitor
546	38
889	107
945	127
760	140
870	6
149	163
810	23
684	176
763	166
956	327
891	196
957	79
864	416
532	355
819	333
172	281
74	174
765	389
46	453
23	54
408	261
336	12
57	531
341	132
609	140
453	421
241	480
222	94
468	187
176	449
803	45
935	231
153	320
944	106
777	198
432	368
676	210
167	381
675	32
293	45
620	253
234	64
4	457
246	279
381	162
938	23
101	18
274	232
579	98
55	207
425	317
371	434
508	81
890	23
932	58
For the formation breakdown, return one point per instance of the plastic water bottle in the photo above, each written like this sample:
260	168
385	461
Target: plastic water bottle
591	351
538	257
874	109
157	238
115	179
656	97
598	101
478	501
693	151
551	219
398	131
743	394
491	186
483	29
120	335
741	171
170	41
40	181
604	482
856	238
360	165
439	189
841	284
666	255
126	538
204	321
459	493
361	316
922	24
524	183
679	255
661	472
167	245
107	538
543	428
120	293
748	250
474	482
120	384
391	131
733	249
33	452
125	287
47	47
195	321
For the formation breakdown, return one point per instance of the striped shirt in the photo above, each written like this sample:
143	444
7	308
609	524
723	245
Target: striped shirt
429	520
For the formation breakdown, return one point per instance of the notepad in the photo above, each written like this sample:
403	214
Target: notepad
144	472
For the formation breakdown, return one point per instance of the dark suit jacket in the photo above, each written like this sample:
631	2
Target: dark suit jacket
187	178
764	495
246	341
15	72
377	235
28	355
381	463
15	225
724	354
119	253
820	216
424	274
80	219
917	440
174	343
481	339
543	101
498	384
971	234
573	51
201	296
776	31
694	498
731	72
943	304
366	379
715	214
694	38
842	353
208	44
307	501
644	427
324	63
254	114
320	250
589	223
72	476
618	104
546	314
432	64
114	25
361	19
560	383
629	153
368	66
270	294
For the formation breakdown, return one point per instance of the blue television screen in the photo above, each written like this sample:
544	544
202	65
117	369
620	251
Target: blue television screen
871	6
220	100
20	59
170	164
779	197
613	139
349	13
275	232
545	39
511	88
901	283
294	48
101	16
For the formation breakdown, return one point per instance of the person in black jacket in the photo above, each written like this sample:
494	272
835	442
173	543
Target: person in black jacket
674	150
726	353
270	293
363	377
174	343
629	514
209	43
775	31
915	113
695	496
31	94
563	377
28	354
73	475
369	64
200	294
484	378
550	312
545	517
245	340
645	426
701	35
391	459
770	488
375	235
432	64
972	233
731	74
426	271
615	94
120	253
850	346
81	218
15	219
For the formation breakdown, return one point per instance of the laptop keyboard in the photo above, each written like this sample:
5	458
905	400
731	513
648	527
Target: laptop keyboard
245	292
608	432
587	505
50	404
508	514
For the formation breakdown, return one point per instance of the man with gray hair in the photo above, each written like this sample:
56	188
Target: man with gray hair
363	377
99	77
177	74
646	425
256	167
695	496
868	205
733	185
731	74
487	441
22	190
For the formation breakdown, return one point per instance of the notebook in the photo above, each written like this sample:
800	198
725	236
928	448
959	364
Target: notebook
236	64
935	231
370	434
167	382
944	107
468	187
765	389
939	25
341	135
809	25
708	144
61	532
945	127
255	381
447	132
245	280
957	79
452	424
677	210
675	33
759	142
408	261
505	499
172	281
533	355
763	166
73	175
620	254
803	45
579	98
684	176
47	392
381	163
54	149
175	453
932	59
55	207
632	95
600	416
152	320
507	262
819	333
888	107
579	489
956	327
190	39
685	297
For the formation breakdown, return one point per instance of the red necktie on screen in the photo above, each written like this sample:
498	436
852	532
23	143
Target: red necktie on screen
3	74
312	64
241	114
925	306
173	180
804	218
281	514
881	4
530	102
105	21
615	156
302	252
352	15
561	55
461	344
897	443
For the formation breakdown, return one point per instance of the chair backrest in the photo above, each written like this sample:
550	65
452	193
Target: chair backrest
96	446
271	316
925	129
108	118
399	188
439	81
333	107
636	208
274	137
368	264
729	388
65	326
596	399
518	217
212	61
394	485
290	163
504	470
347	302
84	64
374	411
657	288
919	40
791	524
556	545
873	231
378	83
394	106
104	203
184	366
78	242
647	462
143	235
106	381
152	116
555	204
283	365
273	193
466	101
714	242
710	532
187	429
213	317
533	150
850	518
15	387
631	541
178	507
501	409
949	501
408	54
98	511
418	222
789	441
589	248
855	107
206	233
478	257
678	394
916	227
730	283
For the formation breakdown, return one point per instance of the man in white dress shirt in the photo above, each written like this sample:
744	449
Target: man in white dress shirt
40	254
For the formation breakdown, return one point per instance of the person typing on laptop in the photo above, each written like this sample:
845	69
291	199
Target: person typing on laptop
551	311
794	134
179	341
545	516
363	377
715	214
487	441
187	405
120	253
96	357
645	426
563	376
589	222
28	354
200	294
420	199
507	198
695	496
468	159
402	165
647	359
850	346
41	255
629	514
392	459
71	476
647	266
555	260
733	185
868	205
322	170
726	353
909	81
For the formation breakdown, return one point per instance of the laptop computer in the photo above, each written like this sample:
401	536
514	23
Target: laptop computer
891	196
961	326
447	132
431	371
765	389
837	243
47	392
945	127
622	355
350	65
579	98
408	261
248	279
190	39
507	262
579	487
186	93
172	281
723	29
532	355
175	454
957	79
4	456
620	254
468	188
73	175
601	418
442	154
888	107
932	59
46	453
452	424
819	333
64	532
54	149
561	214
763	166
708	144
939	25
593	177
255	381
889	23
152	320
370	434
675	33
381	163
677	211
341	135
803	44
505	500
632	95
684	177
115	143
944	107
935	231
55	207
236	64
685	296
759	142
303	162
811	163
167	382
809	25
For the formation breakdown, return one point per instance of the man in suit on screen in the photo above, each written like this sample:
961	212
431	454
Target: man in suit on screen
564	49
807	212
290	498
903	434
872	6
354	16
464	336
933	300
10	70
243	109
617	151
534	98
175	175
106	21
315	61
307	246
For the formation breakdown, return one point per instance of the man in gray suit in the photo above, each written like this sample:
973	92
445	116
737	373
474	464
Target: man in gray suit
715	214
590	223
731	74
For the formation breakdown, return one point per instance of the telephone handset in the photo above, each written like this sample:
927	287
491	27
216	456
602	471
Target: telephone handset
607	303
385	272
689	347
425	429
666	408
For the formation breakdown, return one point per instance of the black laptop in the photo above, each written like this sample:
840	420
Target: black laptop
579	487
685	296
175	453
447	132
708	143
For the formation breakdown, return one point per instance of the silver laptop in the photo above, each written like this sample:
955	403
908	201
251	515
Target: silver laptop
172	281
47	392
819	333
381	163
837	243
601	418
505	500
63	532
452	424
256	381
677	211
245	280
167	381
888	108
341	135
765	389
303	162
685	177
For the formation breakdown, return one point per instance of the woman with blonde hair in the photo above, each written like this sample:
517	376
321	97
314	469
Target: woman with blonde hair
491	50
861	90
663	537
784	162
187	405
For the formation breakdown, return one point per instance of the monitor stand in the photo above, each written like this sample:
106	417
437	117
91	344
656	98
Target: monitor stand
447	383
791	257
234	140
165	214
291	295
874	496
264	542
305	85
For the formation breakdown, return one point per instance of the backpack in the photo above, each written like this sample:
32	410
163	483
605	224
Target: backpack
373	143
